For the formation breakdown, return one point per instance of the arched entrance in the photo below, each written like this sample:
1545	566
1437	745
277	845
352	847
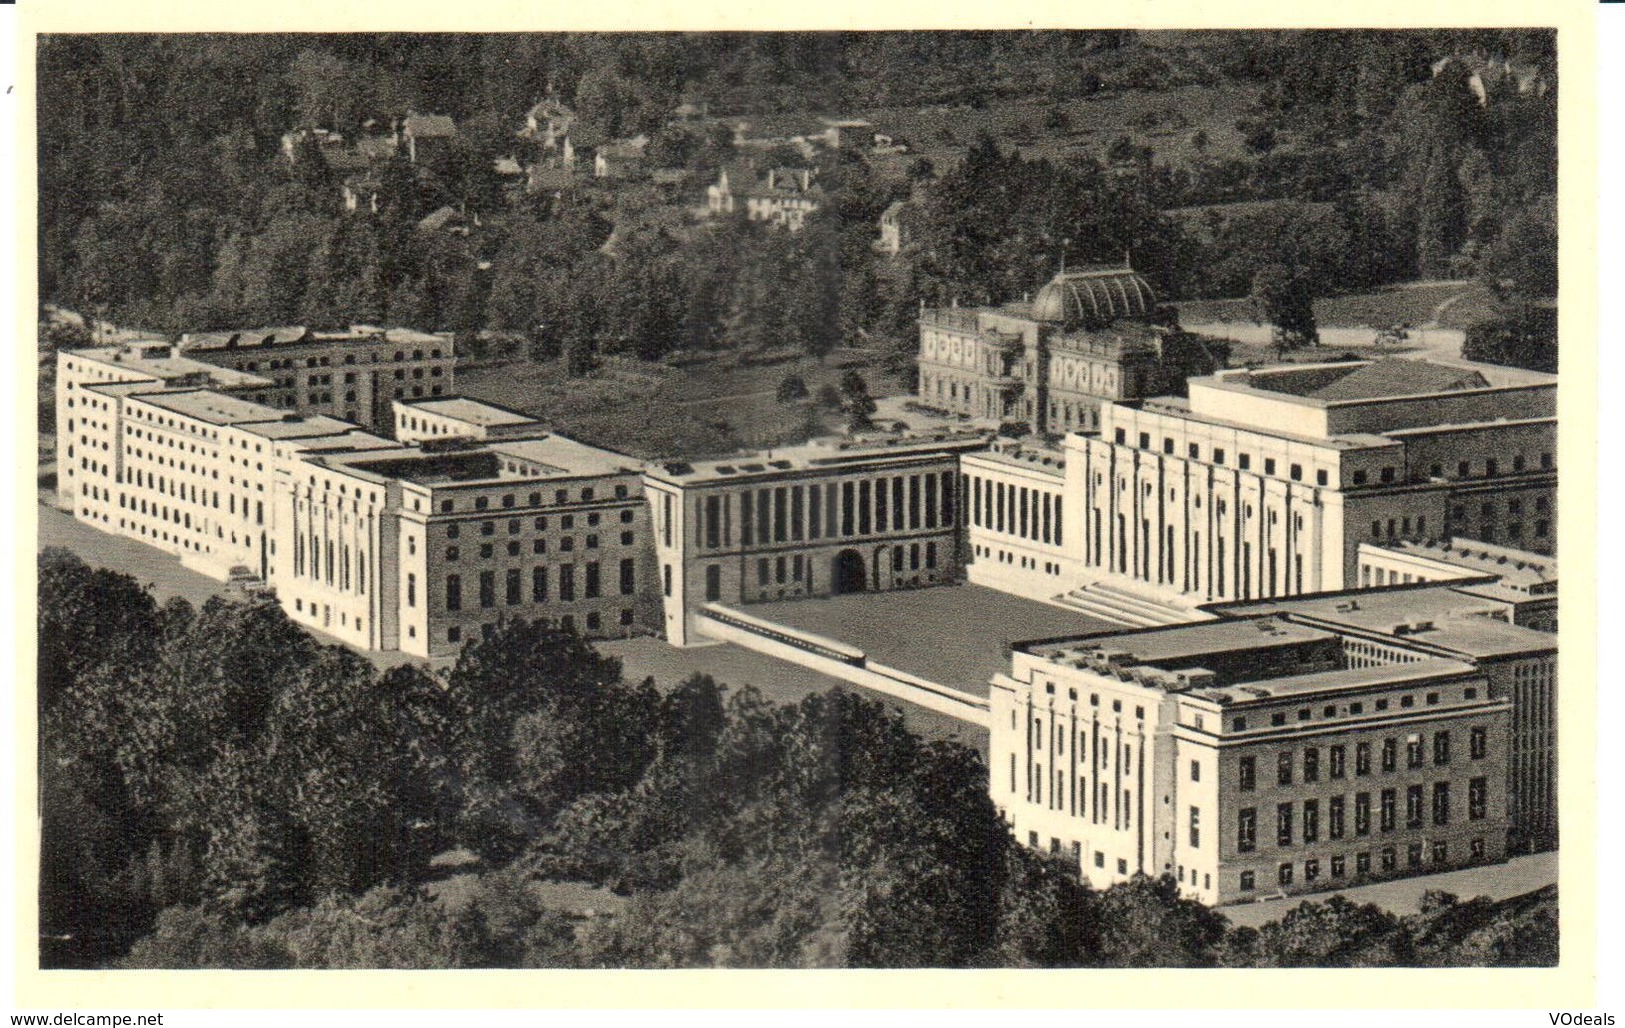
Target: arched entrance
846	572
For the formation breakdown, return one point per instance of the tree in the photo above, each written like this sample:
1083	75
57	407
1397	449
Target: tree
1285	300
792	387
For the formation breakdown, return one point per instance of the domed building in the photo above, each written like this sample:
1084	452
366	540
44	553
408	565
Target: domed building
1049	362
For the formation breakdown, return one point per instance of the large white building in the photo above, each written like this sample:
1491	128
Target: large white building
1284	748
413	546
828	517
1264	482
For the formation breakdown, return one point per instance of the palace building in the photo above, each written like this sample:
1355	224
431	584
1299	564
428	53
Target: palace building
1285	748
828	517
1086	338
1265	482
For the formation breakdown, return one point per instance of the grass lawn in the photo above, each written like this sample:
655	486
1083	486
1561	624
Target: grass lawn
1414	303
942	133
709	407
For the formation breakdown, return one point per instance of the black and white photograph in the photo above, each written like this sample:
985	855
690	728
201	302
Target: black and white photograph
1013	498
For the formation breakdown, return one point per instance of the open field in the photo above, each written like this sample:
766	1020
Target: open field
942	133
1416	303
654	410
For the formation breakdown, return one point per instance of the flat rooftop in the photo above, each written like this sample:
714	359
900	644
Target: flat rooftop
1180	643
1042	459
474	412
954	635
1271	689
1458	621
520	460
1180	407
1518	568
169	368
832	452
292	335
212	408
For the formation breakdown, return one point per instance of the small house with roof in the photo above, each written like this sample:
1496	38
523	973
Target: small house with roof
426	135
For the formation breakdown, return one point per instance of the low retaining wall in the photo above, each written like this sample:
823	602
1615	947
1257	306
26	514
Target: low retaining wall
838	660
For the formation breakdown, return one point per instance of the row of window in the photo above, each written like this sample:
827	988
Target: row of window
1388	856
513	592
1301	823
1336	764
1244	461
313	362
1032	514
560	496
835	510
566	544
594	622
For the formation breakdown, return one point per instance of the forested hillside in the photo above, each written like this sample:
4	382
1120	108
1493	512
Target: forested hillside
1353	158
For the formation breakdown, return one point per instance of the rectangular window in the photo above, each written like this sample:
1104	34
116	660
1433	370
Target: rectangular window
1334	817
1283	824
797	505
1362	813
713	582
1283	769
1390	755
1413	806
1248	881
1337	762
1362	758
1284	874
1387	813
1478	743
411	590
629	574
815	510
847	508
1441	803
1196	828
1477	799
1247	829
1196	771
592	590
538	584
1413	751
513	587
1246	774
454	592
567	582
1311	820
488	588
781	514
1441	748
1311	765
713	521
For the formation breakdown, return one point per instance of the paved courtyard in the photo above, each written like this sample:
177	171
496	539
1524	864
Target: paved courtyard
1500	881
958	636
778	680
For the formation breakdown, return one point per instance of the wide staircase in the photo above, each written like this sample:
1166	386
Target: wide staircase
1114	603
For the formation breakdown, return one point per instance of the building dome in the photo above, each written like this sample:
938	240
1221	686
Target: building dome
1094	295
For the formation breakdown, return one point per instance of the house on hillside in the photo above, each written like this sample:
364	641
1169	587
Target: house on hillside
891	229
784	196
845	132
621	159
548	122
426	135
360	192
